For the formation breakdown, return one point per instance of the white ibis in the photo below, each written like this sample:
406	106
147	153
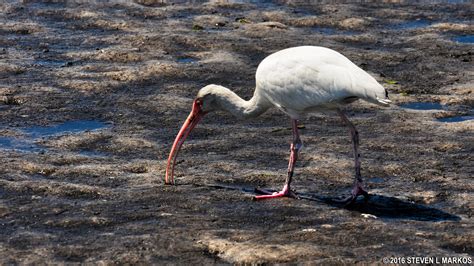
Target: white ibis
297	81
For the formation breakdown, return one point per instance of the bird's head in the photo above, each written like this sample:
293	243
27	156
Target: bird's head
204	103
209	97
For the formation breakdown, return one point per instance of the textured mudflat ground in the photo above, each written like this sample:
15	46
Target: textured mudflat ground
92	95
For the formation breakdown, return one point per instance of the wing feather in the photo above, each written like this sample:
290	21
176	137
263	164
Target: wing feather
304	78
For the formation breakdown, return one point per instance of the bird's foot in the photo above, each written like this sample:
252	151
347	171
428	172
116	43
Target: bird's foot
357	190
285	192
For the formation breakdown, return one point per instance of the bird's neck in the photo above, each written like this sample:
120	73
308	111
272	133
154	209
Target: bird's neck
240	108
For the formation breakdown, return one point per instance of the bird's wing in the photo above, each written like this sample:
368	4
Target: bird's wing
298	85
303	83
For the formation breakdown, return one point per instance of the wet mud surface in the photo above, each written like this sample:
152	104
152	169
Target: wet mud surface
92	96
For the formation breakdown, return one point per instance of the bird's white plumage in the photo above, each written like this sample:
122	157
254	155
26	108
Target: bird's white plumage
297	80
306	78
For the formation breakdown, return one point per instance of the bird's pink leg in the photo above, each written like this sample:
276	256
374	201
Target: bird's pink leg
295	146
358	188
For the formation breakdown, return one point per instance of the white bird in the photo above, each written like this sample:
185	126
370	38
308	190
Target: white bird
297	81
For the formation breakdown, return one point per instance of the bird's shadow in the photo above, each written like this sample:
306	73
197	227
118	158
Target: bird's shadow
378	205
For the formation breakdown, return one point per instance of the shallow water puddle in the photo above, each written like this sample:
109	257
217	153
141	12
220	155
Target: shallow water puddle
186	60
411	24
376	180
332	31
454	119
422	106
464	39
65	128
52	63
34	133
12	143
429	106
94	154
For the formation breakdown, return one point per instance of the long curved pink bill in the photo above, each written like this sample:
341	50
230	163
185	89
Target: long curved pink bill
192	120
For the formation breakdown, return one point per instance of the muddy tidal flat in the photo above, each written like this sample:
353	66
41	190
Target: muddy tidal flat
92	96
